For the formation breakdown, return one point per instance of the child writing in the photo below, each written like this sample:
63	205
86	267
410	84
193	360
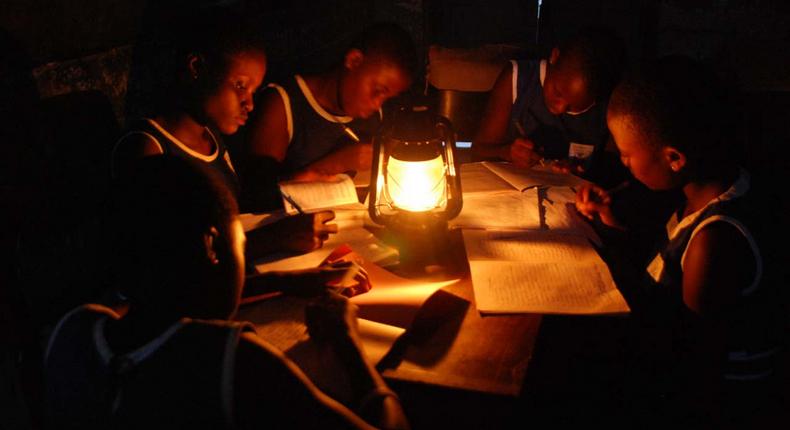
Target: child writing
542	109
174	357
219	66
712	288
318	125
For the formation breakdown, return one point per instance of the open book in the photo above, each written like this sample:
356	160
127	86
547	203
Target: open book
539	272
501	196
300	196
536	176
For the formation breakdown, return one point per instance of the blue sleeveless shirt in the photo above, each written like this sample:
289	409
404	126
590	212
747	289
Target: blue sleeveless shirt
752	333
313	132
553	133
218	160
181	379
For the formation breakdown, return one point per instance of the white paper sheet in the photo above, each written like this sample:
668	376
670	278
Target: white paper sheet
394	300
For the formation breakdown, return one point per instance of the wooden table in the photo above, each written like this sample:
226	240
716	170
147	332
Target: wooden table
450	344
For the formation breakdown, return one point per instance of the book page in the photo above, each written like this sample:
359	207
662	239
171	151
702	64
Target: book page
539	272
536	176
477	178
548	288
536	247
314	196
502	210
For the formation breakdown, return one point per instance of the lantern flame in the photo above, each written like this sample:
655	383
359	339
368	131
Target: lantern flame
416	186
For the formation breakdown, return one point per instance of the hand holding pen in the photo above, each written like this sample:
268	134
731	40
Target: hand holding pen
592	201
523	152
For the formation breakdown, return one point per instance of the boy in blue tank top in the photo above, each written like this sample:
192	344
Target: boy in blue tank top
710	311
318	125
553	108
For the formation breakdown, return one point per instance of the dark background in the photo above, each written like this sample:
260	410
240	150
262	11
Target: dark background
64	67
747	38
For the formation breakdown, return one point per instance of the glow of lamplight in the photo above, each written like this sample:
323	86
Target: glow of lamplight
416	186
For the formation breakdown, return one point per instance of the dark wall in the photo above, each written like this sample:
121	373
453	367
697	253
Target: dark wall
86	44
58	30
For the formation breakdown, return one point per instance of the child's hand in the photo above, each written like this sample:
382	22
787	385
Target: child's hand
347	278
523	153
330	318
592	200
343	277
566	166
305	232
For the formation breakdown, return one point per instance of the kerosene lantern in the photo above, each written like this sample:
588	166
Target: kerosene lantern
415	183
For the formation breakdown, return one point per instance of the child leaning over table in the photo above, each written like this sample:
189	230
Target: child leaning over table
710	310
220	63
545	108
174	358
317	125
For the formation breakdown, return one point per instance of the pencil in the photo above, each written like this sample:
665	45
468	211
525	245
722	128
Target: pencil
292	202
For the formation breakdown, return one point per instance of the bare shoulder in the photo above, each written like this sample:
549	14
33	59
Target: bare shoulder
719	263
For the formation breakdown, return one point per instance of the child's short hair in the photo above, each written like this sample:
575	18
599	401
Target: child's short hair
160	211
218	33
391	42
601	56
675	101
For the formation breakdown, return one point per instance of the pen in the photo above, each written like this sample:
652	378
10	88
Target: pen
350	132
292	202
523	134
